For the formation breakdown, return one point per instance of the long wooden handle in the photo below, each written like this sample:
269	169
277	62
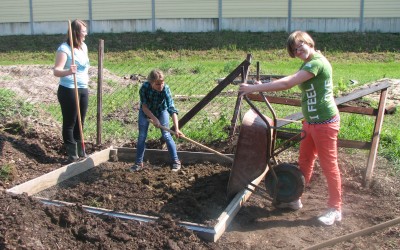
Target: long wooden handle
355	234
76	87
197	143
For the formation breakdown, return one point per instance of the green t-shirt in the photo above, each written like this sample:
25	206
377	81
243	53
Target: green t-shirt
317	100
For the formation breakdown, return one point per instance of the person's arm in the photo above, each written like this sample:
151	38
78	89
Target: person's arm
172	111
58	69
277	85
178	133
150	115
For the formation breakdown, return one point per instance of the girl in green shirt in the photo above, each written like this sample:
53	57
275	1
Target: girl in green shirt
321	119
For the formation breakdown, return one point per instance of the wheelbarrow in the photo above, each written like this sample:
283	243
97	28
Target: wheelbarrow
256	151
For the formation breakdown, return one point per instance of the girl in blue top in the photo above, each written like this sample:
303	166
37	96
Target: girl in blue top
65	68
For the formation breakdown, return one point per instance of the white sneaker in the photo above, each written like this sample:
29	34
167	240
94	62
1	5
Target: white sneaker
294	205
330	216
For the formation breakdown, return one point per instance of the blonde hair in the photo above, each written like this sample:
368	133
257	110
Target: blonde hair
298	36
155	75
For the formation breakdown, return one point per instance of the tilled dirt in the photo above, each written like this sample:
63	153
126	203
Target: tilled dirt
195	194
186	195
30	148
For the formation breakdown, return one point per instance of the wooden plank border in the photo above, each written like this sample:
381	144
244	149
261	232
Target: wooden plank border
207	233
61	174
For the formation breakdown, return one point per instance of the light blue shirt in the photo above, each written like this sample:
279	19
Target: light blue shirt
81	60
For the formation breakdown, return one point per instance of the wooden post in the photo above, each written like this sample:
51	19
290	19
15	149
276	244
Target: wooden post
100	90
375	138
244	74
237	109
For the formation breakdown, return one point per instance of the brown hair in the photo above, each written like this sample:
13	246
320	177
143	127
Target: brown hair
298	36
155	75
76	30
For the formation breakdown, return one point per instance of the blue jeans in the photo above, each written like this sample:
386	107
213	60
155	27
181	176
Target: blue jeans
143	129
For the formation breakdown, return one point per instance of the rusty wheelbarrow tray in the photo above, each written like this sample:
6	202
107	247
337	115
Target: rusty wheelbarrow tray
255	152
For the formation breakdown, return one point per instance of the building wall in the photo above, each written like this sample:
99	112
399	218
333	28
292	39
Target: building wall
382	8
326	9
53	11
50	17
254	9
121	9
176	9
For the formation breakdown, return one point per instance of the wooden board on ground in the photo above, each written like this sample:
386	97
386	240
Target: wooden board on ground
206	232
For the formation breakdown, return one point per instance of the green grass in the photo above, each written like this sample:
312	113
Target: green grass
6	172
198	59
11	105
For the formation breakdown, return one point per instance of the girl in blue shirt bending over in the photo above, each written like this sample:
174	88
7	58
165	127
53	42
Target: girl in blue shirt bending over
156	104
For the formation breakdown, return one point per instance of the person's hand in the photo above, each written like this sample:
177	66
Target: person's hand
256	82
73	69
179	133
244	88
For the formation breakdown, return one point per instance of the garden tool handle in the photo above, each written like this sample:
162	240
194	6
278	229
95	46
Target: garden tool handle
195	142
76	88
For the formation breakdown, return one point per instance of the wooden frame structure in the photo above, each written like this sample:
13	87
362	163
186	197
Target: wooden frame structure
379	114
208	233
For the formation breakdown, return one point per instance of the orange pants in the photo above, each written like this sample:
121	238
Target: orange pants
321	140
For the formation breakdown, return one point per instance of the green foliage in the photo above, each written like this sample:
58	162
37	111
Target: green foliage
193	63
208	130
390	140
11	106
340	87
95	203
6	172
356	127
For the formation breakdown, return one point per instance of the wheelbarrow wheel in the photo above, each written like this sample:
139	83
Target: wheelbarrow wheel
290	184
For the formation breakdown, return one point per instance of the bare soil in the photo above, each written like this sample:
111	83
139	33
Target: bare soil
31	148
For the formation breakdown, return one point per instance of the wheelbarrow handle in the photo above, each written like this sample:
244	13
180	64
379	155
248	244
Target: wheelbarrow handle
195	142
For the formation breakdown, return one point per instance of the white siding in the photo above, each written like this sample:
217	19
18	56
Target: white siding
121	9
51	16
186	9
382	8
14	11
326	8
254	8
45	10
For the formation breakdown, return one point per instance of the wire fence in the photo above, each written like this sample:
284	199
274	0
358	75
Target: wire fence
190	84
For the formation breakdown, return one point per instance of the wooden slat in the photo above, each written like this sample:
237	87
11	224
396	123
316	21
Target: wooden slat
363	92
341	142
238	105
54	177
297	103
275	100
213	93
343	99
375	138
157	155
234	206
